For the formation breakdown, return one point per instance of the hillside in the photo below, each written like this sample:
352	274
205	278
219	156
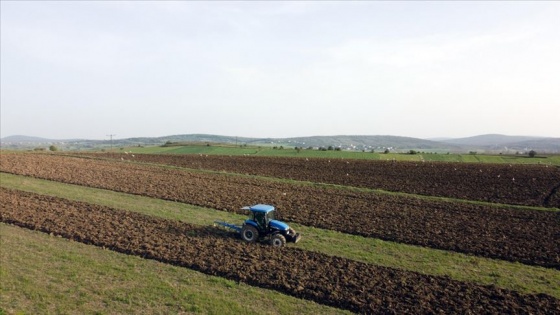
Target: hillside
483	143
546	144
490	140
342	141
19	138
504	143
368	142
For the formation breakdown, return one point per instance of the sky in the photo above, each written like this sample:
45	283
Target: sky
89	69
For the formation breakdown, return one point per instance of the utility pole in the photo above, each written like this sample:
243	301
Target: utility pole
111	136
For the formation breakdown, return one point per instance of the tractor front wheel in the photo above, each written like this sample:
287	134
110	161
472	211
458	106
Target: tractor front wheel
278	240
249	233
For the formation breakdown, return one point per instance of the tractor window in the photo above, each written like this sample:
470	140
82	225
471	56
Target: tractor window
260	219
270	216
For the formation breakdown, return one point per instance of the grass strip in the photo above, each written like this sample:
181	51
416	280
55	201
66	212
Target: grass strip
513	276
325	185
42	274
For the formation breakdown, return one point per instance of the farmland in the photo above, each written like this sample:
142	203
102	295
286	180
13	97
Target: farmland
264	151
521	230
535	185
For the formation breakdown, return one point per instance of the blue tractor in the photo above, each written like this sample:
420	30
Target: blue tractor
261	225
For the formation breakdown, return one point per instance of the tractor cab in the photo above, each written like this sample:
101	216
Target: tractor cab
262	217
262	224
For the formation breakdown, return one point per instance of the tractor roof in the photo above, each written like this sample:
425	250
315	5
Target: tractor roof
260	208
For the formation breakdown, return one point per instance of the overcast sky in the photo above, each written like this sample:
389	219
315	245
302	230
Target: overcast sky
78	69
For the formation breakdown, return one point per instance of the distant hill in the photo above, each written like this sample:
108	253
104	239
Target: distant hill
343	141
503	143
539	145
19	138
367	142
489	140
484	143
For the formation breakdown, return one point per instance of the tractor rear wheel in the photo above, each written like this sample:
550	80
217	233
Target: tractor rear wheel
249	233
278	240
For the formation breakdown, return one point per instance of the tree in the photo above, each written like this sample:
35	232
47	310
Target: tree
532	153
53	148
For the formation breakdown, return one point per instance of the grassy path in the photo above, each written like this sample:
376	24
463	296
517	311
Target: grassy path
42	274
514	276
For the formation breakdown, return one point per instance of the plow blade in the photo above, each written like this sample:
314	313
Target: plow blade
229	225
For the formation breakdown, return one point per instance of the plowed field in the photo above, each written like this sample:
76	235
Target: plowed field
533	185
527	236
329	280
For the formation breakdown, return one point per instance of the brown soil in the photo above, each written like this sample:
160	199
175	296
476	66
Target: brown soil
528	236
532	185
334	281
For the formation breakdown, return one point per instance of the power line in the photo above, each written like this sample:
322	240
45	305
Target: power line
111	136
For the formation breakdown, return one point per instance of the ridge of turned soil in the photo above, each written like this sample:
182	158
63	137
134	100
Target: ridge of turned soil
527	236
334	281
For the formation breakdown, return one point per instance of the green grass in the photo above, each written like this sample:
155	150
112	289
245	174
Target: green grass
359	189
42	274
515	276
290	152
